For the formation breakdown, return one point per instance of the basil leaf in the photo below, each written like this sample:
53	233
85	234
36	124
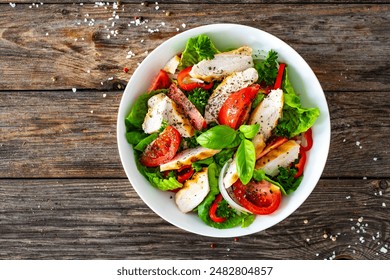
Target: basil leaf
250	131
246	159
217	137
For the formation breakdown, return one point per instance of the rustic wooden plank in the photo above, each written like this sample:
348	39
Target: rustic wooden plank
62	46
66	134
194	2
105	219
46	135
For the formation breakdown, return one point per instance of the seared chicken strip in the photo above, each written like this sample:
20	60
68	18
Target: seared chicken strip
281	156
267	114
229	85
223	64
172	64
187	157
193	191
162	108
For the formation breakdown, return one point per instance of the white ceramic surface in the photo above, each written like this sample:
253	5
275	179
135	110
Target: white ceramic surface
304	82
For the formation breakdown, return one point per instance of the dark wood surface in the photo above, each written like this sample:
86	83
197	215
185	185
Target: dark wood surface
63	192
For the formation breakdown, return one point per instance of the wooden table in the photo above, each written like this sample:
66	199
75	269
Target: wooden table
63	192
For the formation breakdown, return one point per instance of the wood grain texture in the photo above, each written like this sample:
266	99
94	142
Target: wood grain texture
63	192
65	134
105	219
63	46
193	2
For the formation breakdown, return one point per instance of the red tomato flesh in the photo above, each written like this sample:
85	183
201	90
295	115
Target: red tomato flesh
235	110
185	84
163	149
161	81
261	198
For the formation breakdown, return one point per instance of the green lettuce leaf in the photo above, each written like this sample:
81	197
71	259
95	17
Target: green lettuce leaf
145	142
154	176
295	118
234	218
135	136
197	49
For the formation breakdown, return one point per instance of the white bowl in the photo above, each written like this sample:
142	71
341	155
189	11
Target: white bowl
304	82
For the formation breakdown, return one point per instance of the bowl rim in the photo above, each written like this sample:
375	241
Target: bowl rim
325	132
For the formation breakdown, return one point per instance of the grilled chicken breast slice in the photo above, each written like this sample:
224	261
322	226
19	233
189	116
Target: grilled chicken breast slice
187	157
193	191
229	85
223	64
172	64
162	108
231	175
282	156
267	114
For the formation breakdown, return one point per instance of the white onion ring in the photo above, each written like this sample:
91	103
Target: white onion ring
228	193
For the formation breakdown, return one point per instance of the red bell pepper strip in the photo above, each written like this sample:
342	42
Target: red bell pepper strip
279	77
301	164
213	210
309	140
184	173
184	75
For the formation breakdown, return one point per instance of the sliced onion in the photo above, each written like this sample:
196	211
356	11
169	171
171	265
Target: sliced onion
228	193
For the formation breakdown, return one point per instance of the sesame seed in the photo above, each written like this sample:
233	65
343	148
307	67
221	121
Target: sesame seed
74	89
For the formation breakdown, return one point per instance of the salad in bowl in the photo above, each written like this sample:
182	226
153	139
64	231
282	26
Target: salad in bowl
219	138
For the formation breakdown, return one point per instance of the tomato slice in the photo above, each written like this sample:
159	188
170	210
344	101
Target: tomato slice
301	164
184	173
163	149
161	81
235	110
261	198
213	210
182	79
